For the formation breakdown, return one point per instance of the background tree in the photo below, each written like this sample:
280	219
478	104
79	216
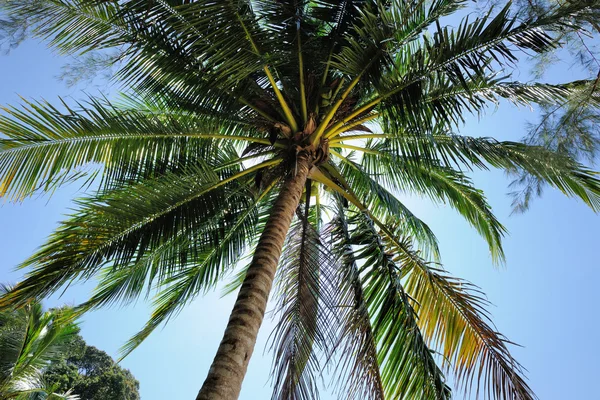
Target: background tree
571	126
91	374
29	340
243	118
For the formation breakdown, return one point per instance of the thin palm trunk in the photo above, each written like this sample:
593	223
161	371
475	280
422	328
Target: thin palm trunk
224	380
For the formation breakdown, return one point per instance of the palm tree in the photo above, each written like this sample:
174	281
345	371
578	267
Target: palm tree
29	339
242	119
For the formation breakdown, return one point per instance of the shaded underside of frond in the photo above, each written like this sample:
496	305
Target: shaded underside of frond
358	369
305	312
407	365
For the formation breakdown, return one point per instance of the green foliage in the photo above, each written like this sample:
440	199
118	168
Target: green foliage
42	354
219	99
570	129
570	126
91	374
30	340
408	368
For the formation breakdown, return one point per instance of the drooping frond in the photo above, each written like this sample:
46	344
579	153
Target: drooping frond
407	365
557	170
570	127
201	266
358	369
382	203
441	184
305	312
177	288
453	318
499	374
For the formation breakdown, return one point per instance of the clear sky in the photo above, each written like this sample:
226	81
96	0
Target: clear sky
545	298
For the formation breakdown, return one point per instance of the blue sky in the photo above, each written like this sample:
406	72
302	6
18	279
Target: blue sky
545	298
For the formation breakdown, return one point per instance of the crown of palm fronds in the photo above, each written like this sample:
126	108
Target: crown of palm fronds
220	98
29	339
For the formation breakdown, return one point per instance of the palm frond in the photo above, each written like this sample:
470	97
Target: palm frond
157	267
178	287
358	368
543	165
238	277
120	226
442	102
380	29
461	54
441	184
304	310
453	318
29	339
75	25
153	36
385	205
42	143
408	368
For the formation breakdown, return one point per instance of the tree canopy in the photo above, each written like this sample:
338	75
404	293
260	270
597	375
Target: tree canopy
91	374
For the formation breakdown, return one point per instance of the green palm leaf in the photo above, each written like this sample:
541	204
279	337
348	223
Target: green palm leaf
454	320
441	184
551	168
121	226
194	276
385	205
304	310
360	377
43	143
408	368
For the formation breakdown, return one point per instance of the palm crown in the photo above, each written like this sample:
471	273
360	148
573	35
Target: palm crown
242	118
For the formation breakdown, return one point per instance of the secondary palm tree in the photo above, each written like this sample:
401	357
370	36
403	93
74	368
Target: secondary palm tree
29	339
243	116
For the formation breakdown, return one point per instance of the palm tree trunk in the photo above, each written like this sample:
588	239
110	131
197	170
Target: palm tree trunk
224	380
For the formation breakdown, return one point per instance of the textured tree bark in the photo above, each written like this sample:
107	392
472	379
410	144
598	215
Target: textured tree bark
224	380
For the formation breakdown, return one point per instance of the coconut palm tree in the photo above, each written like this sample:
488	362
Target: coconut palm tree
29	339
257	127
